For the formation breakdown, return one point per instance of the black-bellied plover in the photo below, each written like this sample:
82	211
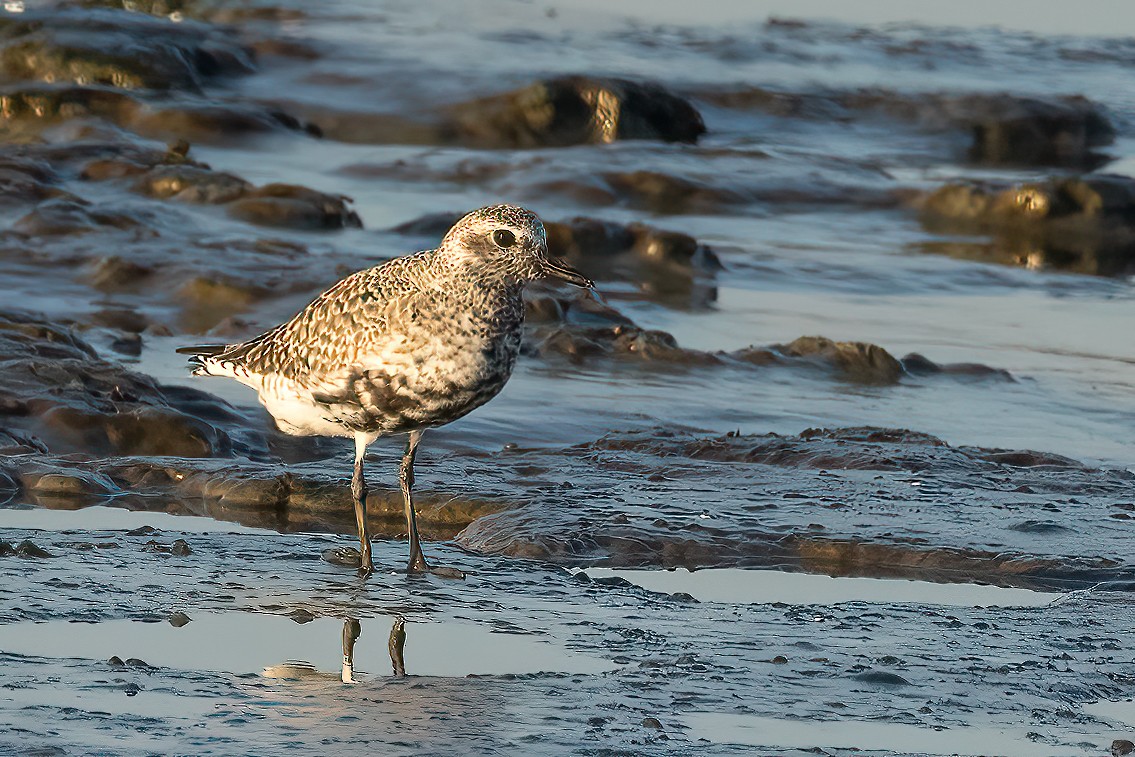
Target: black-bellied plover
414	343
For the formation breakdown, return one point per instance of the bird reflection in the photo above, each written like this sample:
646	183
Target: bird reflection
352	629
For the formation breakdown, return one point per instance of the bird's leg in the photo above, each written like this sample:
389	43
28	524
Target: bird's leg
406	481
397	645
359	492
418	562
351	631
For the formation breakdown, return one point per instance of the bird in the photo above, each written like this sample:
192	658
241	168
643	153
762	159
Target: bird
408	345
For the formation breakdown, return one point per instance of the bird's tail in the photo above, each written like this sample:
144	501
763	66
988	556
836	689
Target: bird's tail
203	358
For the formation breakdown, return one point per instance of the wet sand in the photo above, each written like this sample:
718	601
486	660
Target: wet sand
841	460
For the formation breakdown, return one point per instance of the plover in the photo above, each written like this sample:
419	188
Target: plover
411	344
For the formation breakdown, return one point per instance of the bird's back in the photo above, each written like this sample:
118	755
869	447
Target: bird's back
404	345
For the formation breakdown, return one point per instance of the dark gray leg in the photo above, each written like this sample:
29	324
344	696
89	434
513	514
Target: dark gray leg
351	631
406	481
418	562
359	492
397	645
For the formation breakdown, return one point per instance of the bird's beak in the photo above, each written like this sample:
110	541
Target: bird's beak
558	269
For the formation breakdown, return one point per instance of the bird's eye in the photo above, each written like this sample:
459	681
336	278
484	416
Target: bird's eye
504	238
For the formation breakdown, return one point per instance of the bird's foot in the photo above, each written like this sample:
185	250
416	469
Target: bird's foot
420	567
349	557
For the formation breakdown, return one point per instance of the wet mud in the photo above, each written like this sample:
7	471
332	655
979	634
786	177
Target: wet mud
837	457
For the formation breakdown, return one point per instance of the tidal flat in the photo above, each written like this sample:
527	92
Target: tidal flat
838	459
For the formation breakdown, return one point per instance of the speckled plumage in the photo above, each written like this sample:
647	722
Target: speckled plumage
413	343
416	342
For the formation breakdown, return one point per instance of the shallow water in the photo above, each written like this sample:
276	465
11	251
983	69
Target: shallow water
770	586
651	571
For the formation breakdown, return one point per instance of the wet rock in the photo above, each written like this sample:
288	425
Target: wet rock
24	180
301	616
347	557
857	361
25	549
177	619
882	678
627	342
179	548
192	183
294	207
1081	224
214	123
919	365
116	48
1042	132
123	319
70	483
575	110
65	215
665	194
1003	128
75	402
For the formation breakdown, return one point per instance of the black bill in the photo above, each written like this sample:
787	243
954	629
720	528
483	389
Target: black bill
557	269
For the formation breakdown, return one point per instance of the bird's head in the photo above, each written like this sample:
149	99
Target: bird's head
509	241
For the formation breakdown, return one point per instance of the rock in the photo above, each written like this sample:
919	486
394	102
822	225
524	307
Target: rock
294	207
30	550
116	48
179	548
664	194
65	215
70	483
920	365
177	619
75	402
574	110
1034	132
191	183
1079	223
115	274
301	616
212	123
1003	128
627	342
857	361
882	677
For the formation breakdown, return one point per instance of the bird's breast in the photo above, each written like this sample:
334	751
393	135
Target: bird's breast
439	365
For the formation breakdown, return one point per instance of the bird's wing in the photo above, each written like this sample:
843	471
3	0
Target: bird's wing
325	340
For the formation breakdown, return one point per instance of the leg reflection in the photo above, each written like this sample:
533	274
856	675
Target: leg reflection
396	645
351	631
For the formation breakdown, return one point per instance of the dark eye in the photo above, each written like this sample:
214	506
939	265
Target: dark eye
504	238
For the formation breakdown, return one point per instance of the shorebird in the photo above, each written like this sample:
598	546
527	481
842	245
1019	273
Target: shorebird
411	344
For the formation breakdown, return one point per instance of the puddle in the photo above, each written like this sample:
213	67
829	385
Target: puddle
244	643
752	730
1117	713
99	518
740	586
